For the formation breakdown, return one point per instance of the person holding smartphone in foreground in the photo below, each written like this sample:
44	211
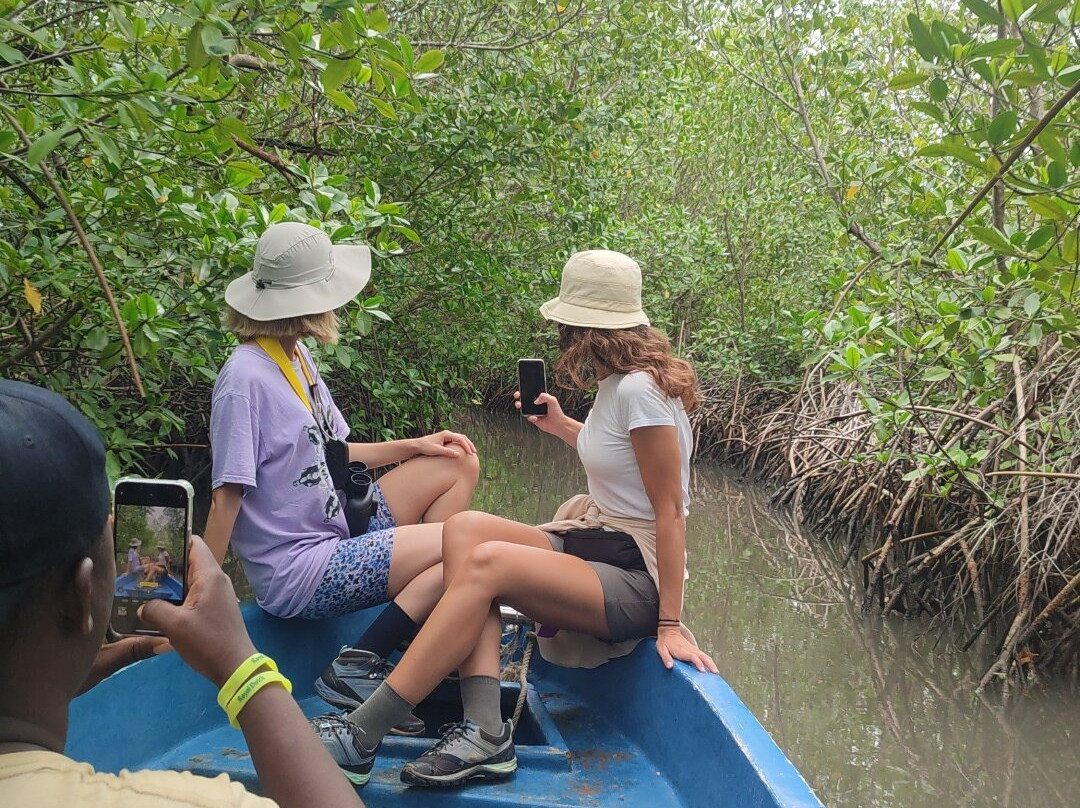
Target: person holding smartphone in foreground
57	573
607	573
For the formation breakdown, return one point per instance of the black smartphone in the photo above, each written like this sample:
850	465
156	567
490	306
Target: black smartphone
151	533
532	382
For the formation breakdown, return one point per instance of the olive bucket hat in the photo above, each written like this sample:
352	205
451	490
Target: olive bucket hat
299	271
599	289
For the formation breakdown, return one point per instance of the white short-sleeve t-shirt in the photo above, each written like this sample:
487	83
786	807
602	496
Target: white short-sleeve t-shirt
625	402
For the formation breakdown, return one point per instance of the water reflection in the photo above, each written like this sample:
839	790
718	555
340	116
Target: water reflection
873	712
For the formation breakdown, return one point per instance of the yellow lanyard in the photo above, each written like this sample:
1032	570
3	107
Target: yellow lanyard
277	353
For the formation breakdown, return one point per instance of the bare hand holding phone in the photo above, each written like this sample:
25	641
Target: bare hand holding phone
532	382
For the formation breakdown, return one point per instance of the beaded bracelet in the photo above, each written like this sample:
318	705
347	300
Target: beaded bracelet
249	689
243	672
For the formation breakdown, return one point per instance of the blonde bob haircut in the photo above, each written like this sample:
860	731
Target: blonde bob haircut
323	328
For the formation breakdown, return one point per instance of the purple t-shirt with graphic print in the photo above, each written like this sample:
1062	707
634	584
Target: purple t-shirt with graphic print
265	439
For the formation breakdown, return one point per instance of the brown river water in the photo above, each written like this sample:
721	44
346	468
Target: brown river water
873	712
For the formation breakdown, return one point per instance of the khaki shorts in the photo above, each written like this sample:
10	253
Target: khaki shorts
631	602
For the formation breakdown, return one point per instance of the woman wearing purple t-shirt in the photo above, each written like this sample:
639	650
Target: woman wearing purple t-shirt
271	420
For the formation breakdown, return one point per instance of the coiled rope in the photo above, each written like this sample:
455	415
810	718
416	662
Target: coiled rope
523	676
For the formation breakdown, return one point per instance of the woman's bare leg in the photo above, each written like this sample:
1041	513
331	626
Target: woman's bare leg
419	596
416	548
465	531
430	489
461	534
484	659
549	587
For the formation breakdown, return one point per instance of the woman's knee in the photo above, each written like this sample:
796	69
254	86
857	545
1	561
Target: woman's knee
488	566
461	532
467	467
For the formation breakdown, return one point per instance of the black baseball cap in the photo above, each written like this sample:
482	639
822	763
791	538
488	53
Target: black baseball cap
54	492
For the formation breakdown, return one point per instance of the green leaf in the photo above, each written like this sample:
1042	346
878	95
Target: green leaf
340	99
1048	11
107	146
996	47
115	44
1056	174
214	42
984	11
992	238
953	150
244	169
956	260
1013	9
384	108
408	232
1052	146
378	22
1047	207
335	73
227	128
196	54
429	61
938	89
936	374
11	55
1002	127
907	79
43	146
292	45
1037	58
1023	78
1031	304
930	109
407	54
922	39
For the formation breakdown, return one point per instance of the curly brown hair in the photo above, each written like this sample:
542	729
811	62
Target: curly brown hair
624	350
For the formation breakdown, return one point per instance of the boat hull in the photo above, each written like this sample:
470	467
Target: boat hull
629	733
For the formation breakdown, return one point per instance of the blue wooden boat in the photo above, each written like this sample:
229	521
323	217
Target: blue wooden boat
627	734
133	586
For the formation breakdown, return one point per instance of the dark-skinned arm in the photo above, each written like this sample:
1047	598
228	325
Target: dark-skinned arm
208	632
659	460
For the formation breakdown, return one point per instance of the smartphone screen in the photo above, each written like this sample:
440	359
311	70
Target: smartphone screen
531	383
151	525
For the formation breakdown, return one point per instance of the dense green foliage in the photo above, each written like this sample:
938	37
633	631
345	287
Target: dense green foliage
794	177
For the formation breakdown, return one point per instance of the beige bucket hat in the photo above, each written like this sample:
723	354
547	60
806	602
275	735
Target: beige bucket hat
298	271
599	289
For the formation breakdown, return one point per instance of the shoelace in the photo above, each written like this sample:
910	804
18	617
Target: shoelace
328	724
450	733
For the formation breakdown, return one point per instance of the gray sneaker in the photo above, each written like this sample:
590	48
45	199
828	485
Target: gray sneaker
341	738
465	752
351	679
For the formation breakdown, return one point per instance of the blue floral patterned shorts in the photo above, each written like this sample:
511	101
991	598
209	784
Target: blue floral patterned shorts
358	574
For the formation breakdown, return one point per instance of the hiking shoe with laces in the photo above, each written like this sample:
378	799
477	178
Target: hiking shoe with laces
351	679
341	737
465	752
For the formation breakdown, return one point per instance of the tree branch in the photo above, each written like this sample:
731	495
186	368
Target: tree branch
88	248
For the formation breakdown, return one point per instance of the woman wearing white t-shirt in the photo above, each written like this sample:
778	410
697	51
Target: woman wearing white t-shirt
608	572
